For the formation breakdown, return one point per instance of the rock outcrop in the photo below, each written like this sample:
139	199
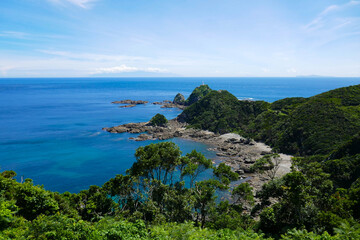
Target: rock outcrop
232	149
179	99
169	104
132	102
128	106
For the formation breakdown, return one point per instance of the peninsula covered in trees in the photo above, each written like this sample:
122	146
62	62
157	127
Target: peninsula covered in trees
165	196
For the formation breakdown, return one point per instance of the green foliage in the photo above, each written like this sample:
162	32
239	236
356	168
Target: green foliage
316	127
303	126
344	171
204	193
220	111
154	188
93	204
349	148
265	126
348	230
308	199
121	189
225	175
34	200
197	94
7	211
242	194
354	196
294	208
287	105
8	174
156	162
193	164
60	227
158	120
161	197
295	234
112	229
347	96
189	231
269	163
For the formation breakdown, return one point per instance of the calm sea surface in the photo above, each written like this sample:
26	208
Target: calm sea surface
50	129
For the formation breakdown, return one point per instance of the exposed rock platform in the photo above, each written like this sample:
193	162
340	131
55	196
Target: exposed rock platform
236	151
169	104
130	103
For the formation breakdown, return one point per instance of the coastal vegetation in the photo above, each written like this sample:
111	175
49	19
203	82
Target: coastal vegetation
163	195
158	120
197	94
220	111
168	195
302	126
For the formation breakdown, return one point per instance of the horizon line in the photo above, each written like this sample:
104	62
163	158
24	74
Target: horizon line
310	76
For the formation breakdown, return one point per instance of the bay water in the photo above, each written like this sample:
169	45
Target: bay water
50	128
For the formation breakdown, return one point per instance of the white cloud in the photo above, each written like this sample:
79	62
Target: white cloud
86	4
13	34
119	69
82	3
292	70
353	3
5	69
125	69
92	57
29	36
320	22
329	9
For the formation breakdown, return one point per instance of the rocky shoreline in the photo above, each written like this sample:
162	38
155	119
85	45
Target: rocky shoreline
169	104
165	104
238	152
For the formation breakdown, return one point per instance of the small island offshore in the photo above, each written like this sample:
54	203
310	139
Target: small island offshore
286	170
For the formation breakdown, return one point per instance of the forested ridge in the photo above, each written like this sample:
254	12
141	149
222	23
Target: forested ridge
163	196
301	126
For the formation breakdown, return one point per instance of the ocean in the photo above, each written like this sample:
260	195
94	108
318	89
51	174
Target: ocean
50	128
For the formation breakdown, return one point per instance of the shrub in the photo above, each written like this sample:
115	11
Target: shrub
158	120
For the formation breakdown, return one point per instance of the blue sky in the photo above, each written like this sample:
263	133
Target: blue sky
199	38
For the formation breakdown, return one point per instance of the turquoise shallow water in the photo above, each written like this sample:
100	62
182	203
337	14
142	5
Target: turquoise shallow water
50	129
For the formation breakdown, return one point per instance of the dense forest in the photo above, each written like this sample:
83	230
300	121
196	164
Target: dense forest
165	196
301	126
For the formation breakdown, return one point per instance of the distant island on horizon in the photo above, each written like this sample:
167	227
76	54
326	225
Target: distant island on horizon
144	76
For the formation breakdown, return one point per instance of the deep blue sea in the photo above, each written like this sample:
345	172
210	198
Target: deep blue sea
50	128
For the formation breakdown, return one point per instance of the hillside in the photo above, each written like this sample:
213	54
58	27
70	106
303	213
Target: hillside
302	126
222	112
164	196
197	94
